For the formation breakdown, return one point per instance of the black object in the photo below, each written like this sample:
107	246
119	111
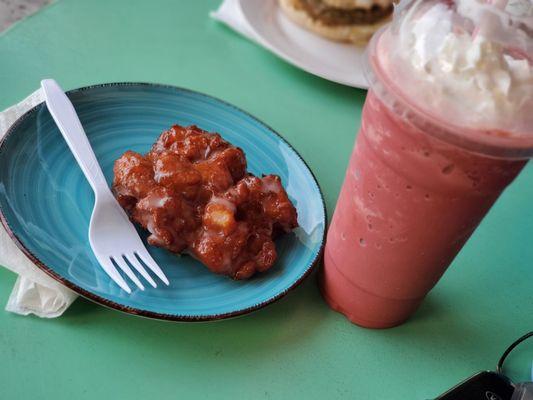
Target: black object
511	348
489	385
485	385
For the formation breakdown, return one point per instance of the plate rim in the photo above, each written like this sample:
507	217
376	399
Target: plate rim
269	45
152	314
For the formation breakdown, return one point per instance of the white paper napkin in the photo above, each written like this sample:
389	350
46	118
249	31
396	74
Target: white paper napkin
230	13
34	291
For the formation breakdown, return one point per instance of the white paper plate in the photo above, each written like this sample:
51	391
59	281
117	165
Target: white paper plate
337	62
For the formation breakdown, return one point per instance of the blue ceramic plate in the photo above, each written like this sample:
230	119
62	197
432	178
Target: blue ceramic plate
45	201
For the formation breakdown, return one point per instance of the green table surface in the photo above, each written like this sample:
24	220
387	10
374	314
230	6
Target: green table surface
297	347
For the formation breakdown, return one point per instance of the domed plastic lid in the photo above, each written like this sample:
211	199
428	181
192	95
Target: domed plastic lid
466	66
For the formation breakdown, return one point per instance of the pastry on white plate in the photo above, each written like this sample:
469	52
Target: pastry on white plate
341	20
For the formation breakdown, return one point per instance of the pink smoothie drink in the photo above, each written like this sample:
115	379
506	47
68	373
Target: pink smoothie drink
418	184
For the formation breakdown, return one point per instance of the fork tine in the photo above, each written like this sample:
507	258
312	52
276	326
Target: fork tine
109	268
132	260
147	259
127	270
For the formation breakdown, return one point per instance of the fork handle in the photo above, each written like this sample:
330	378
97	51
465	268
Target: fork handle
70	127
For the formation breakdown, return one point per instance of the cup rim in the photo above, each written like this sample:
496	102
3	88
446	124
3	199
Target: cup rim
484	142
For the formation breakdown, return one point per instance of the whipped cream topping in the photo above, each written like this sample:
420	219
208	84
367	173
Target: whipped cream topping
454	64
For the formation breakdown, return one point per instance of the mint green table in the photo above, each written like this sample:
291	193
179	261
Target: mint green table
297	348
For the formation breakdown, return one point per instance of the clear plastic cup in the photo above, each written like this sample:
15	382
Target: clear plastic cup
429	161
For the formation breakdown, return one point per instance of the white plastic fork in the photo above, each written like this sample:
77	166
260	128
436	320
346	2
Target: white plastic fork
112	236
